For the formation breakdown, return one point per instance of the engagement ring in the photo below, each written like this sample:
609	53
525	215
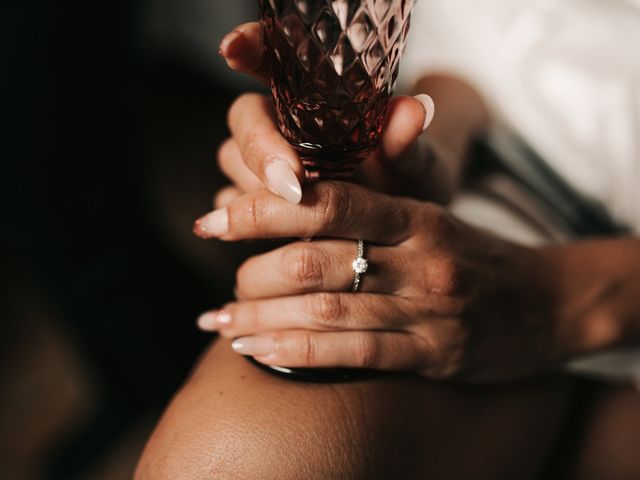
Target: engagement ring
360	266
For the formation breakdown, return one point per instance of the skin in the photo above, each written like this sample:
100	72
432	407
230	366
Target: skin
396	167
233	421
445	301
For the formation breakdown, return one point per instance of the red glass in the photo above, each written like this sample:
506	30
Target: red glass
333	64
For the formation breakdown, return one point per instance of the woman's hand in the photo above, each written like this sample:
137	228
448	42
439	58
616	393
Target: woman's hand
440	298
257	155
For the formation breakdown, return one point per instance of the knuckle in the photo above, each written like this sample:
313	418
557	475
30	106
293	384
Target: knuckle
426	213
334	205
367	351
449	276
430	358
253	212
438	223
327	309
444	367
400	219
305	267
308	349
251	146
302	348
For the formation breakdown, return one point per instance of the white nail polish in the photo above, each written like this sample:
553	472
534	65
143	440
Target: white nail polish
215	224
207	321
254	346
429	109
223	318
283	181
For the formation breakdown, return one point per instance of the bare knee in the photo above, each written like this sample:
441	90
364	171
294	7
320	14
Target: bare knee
245	448
242	423
233	421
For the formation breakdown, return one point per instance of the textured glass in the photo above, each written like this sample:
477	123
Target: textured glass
333	64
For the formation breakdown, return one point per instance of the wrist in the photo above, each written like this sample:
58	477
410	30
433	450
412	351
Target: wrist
598	294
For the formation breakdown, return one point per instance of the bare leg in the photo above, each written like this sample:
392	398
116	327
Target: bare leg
232	420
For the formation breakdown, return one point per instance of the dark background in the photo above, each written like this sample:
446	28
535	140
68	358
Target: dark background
108	157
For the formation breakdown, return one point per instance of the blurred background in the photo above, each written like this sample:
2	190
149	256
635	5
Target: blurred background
115	111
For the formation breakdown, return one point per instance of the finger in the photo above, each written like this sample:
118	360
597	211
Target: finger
406	119
264	150
243	50
232	165
330	209
319	266
316	311
226	196
391	351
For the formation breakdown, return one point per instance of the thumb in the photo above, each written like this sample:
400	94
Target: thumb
407	118
243	51
392	168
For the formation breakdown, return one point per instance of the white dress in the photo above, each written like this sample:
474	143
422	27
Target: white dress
564	76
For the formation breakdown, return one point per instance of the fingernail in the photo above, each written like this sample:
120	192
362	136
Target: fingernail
212	321
254	346
223	318
283	181
429	108
207	321
228	39
215	224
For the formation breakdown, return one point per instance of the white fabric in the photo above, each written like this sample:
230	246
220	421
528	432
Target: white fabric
564	75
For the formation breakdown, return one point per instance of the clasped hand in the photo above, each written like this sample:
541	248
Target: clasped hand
440	298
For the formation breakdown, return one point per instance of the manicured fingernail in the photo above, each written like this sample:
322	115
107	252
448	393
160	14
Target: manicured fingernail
207	321
429	108
223	318
283	181
212	321
215	224
228	39
254	346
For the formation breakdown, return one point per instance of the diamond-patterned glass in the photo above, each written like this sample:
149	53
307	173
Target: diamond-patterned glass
333	64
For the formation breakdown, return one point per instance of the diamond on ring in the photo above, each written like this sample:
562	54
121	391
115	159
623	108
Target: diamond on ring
360	266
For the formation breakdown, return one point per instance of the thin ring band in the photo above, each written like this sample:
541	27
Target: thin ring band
360	266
